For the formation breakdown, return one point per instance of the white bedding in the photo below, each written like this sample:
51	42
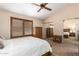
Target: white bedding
66	33
25	46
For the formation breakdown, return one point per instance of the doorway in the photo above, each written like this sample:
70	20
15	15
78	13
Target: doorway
71	29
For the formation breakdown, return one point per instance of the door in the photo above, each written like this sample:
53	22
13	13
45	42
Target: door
38	32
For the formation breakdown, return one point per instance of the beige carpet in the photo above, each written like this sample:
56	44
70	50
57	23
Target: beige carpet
66	48
73	39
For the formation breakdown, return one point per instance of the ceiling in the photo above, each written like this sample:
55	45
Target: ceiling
30	10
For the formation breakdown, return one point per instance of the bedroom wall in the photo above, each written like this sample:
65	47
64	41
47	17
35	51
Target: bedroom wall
69	11
72	24
5	22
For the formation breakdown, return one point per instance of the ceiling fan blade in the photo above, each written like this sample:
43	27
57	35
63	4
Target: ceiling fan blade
48	8
45	4
36	4
39	9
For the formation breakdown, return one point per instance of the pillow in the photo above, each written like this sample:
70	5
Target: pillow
1	44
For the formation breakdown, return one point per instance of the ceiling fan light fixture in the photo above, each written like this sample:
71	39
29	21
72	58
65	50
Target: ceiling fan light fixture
43	6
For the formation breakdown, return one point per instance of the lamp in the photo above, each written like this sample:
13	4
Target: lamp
51	25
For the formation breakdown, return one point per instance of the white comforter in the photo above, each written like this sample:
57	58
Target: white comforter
25	46
66	33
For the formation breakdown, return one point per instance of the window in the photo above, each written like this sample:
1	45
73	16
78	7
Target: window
21	27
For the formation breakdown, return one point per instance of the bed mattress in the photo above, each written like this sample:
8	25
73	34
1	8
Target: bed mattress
25	46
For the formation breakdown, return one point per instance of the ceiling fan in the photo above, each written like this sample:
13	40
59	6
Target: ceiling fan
42	6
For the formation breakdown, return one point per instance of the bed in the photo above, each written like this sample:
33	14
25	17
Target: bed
66	33
22	43
25	46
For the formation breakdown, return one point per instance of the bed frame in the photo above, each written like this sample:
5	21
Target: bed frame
66	30
47	54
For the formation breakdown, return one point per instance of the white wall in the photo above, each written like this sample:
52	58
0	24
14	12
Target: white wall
5	22
72	24
70	11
